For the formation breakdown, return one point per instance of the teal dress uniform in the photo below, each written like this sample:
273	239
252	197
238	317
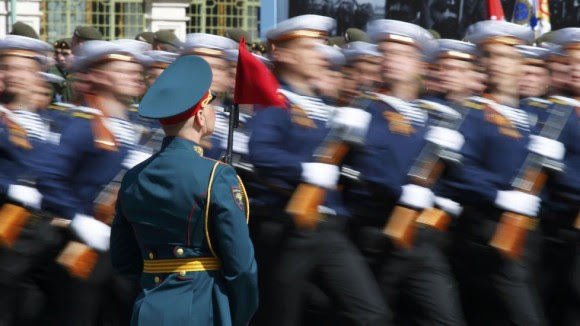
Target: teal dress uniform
181	225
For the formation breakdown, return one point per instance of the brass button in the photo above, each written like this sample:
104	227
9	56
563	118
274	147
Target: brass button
179	251
151	256
182	273
157	279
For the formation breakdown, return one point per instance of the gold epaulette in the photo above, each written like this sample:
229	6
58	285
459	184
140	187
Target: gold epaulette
58	107
558	101
474	105
369	96
83	115
537	104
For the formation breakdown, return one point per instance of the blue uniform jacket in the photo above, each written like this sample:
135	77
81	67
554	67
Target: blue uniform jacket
160	215
494	150
76	171
19	162
391	146
282	139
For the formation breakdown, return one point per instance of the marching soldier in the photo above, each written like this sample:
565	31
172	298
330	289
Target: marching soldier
282	146
192	252
560	216
25	135
96	144
496	286
361	72
417	272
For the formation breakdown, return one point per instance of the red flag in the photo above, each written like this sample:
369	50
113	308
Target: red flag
495	10
255	84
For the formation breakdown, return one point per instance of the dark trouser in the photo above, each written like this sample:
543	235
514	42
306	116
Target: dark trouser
417	282
559	268
41	292
495	290
326	258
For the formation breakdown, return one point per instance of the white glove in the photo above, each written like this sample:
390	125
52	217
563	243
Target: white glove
518	202
352	118
417	196
95	234
445	137
27	196
134	157
547	147
321	174
449	206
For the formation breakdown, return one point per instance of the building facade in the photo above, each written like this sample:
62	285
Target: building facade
54	19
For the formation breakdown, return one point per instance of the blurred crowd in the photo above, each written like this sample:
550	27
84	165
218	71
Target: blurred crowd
402	179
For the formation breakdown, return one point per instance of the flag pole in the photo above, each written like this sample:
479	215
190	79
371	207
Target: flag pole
234	120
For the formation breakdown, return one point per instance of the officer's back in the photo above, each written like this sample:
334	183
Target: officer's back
181	218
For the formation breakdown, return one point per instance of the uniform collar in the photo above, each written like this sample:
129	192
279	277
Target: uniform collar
181	143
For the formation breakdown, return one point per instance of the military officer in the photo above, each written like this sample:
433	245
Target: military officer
22	29
495	287
281	149
166	40
397	133
192	252
84	33
145	37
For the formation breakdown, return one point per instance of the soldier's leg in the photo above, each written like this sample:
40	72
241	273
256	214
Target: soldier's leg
345	276
516	288
431	287
289	277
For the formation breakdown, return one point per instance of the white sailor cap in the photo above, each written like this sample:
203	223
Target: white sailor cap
310	26
454	49
334	56
160	59
358	49
557	52
23	46
207	44
133	45
232	55
97	51
533	55
51	78
498	31
388	30
568	37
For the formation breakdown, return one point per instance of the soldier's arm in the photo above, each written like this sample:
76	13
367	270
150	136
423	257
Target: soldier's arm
55	178
125	253
231	242
268	142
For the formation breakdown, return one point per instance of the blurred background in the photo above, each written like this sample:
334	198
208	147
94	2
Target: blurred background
55	19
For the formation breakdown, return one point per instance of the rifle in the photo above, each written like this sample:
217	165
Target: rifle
303	205
425	171
512	229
